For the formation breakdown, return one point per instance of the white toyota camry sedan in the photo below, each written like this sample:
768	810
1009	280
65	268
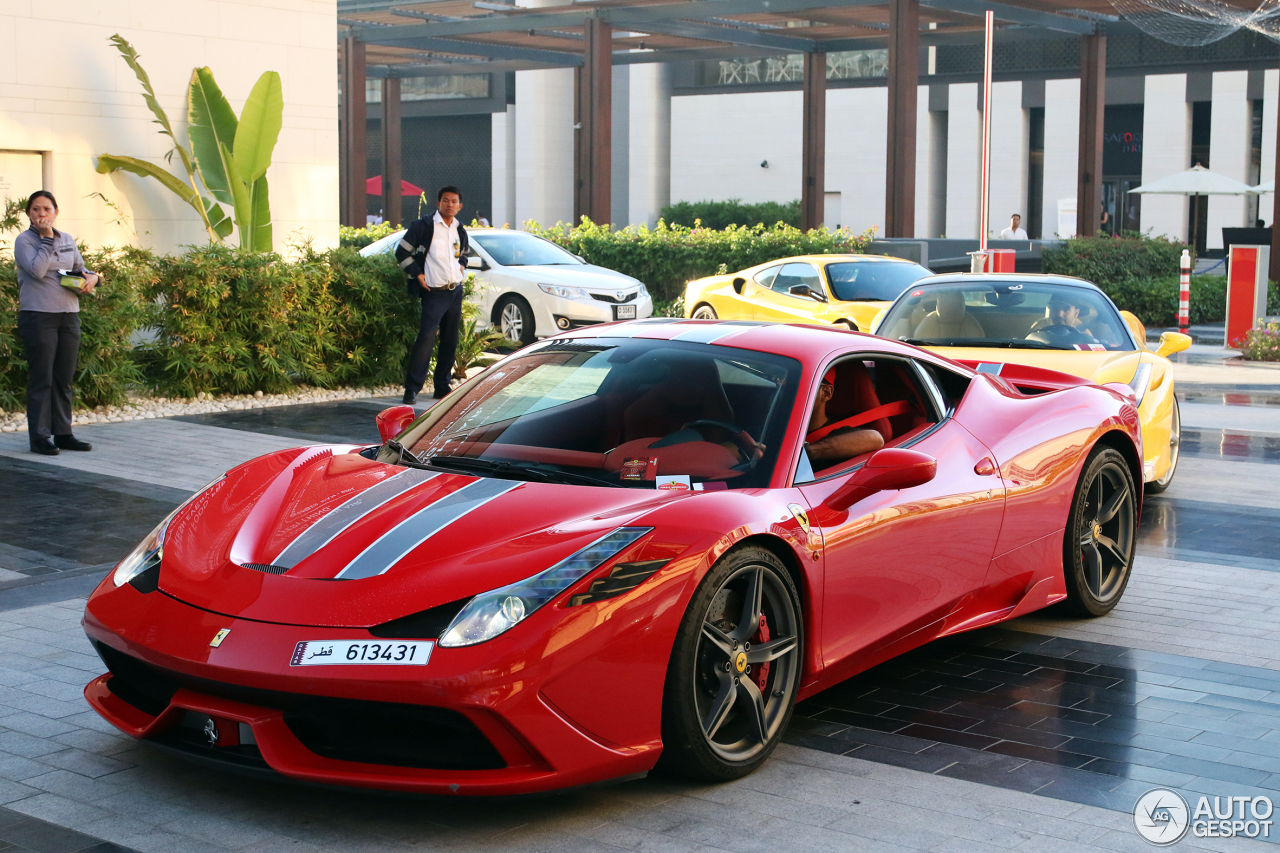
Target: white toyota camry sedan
531	288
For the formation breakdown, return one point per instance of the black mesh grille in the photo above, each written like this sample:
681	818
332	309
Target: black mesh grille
608	297
342	729
266	567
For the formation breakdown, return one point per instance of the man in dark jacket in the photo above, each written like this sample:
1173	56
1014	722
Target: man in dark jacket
433	254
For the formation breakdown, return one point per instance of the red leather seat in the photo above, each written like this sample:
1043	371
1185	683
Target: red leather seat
856	393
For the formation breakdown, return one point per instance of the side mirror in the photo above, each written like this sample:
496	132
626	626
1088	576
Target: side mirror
1173	342
738	284
800	290
475	262
393	421
887	469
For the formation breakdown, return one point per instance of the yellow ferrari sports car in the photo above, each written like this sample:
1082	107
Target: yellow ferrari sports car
839	290
1054	322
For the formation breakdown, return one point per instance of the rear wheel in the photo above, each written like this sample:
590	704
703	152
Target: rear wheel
735	669
704	312
1155	487
1101	535
515	319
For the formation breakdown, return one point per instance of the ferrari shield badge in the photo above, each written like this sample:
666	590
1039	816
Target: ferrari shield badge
219	637
801	516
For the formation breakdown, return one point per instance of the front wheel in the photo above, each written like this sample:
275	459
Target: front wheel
1155	487
704	312
735	669
1101	535
515	320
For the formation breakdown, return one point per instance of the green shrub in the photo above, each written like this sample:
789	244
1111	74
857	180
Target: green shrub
668	256
719	215
1109	261
1261	343
377	320
1155	302
358	238
107	367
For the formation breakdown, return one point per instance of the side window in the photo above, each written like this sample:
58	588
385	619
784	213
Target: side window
793	274
764	278
869	394
950	385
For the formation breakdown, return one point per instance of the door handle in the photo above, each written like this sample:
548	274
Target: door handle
985	467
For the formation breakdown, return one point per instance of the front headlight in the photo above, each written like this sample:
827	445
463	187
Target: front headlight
492	613
1140	382
150	551
564	292
644	291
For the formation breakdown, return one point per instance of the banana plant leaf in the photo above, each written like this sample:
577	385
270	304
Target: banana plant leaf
261	224
259	128
212	213
149	95
212	128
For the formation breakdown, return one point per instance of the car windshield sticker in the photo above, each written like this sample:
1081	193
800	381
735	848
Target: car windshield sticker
1091	347
640	468
421	526
673	483
329	526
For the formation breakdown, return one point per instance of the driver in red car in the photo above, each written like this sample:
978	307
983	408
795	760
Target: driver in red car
828	446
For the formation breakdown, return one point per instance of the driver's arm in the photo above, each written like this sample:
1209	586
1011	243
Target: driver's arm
842	445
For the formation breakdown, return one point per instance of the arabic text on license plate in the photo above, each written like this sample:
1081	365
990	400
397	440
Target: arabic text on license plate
333	652
625	312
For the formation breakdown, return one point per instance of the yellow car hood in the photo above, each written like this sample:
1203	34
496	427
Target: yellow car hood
1098	367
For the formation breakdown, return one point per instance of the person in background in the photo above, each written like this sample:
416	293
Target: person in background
1105	221
433	255
49	324
1015	231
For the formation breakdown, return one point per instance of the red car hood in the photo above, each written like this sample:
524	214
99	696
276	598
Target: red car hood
322	536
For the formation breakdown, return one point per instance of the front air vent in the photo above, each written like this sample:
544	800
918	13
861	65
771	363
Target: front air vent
266	567
624	578
425	625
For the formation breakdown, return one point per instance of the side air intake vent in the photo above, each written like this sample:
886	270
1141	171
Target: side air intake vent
624	578
267	567
425	625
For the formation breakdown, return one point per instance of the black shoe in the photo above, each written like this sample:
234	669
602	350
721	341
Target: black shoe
410	397
440	392
70	442
45	447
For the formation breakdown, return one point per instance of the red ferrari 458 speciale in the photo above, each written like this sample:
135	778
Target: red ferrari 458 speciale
627	546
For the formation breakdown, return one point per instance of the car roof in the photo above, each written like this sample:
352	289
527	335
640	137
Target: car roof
1011	277
842	258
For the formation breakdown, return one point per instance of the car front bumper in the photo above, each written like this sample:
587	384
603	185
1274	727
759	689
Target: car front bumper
473	721
556	314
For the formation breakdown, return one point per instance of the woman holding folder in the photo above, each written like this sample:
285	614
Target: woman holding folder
51	277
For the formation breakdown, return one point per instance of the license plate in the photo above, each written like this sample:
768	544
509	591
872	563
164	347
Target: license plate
333	652
624	312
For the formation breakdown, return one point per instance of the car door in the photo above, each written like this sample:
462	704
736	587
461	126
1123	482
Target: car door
778	304
754	289
899	561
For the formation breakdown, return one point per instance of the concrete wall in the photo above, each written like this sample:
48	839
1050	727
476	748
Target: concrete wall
66	94
964	159
1061	149
857	136
1230	131
1166	150
1010	136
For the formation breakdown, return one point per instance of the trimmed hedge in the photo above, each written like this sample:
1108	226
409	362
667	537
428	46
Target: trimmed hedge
1110	261
219	320
668	256
721	214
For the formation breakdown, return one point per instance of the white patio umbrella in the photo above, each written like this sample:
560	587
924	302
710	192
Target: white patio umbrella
1195	182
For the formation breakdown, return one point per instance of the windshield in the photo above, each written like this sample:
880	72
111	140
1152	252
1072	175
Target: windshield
516	249
1016	314
618	412
872	281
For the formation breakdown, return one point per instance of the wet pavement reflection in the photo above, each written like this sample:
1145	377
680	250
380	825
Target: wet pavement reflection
1080	721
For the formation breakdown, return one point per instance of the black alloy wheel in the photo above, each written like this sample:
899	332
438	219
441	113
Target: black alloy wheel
1155	487
735	669
1101	534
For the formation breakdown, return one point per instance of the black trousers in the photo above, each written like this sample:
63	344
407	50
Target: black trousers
52	342
442	310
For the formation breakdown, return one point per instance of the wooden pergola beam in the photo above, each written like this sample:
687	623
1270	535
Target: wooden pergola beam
593	119
1093	98
352	155
904	79
392	160
813	157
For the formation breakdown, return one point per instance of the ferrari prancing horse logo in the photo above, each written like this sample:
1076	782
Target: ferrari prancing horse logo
740	662
219	637
801	516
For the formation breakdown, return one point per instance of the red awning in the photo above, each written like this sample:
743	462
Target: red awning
373	186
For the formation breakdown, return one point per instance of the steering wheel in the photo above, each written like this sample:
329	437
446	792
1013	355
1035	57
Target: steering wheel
1061	335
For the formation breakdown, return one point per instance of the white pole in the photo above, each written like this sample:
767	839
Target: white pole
986	133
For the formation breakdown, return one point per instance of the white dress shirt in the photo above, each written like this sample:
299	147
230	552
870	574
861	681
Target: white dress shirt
443	265
1019	233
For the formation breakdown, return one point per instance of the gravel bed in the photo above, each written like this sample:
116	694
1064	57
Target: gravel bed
141	408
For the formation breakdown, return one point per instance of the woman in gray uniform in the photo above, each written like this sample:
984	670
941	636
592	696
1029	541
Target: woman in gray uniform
49	323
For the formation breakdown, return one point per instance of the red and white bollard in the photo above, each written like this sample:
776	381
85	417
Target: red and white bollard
1184	296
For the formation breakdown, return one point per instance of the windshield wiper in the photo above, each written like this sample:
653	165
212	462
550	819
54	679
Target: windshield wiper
517	470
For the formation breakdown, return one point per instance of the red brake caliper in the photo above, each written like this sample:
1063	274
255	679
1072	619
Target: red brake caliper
762	674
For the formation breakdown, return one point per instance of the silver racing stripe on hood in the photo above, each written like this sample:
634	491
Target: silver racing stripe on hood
333	523
393	545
